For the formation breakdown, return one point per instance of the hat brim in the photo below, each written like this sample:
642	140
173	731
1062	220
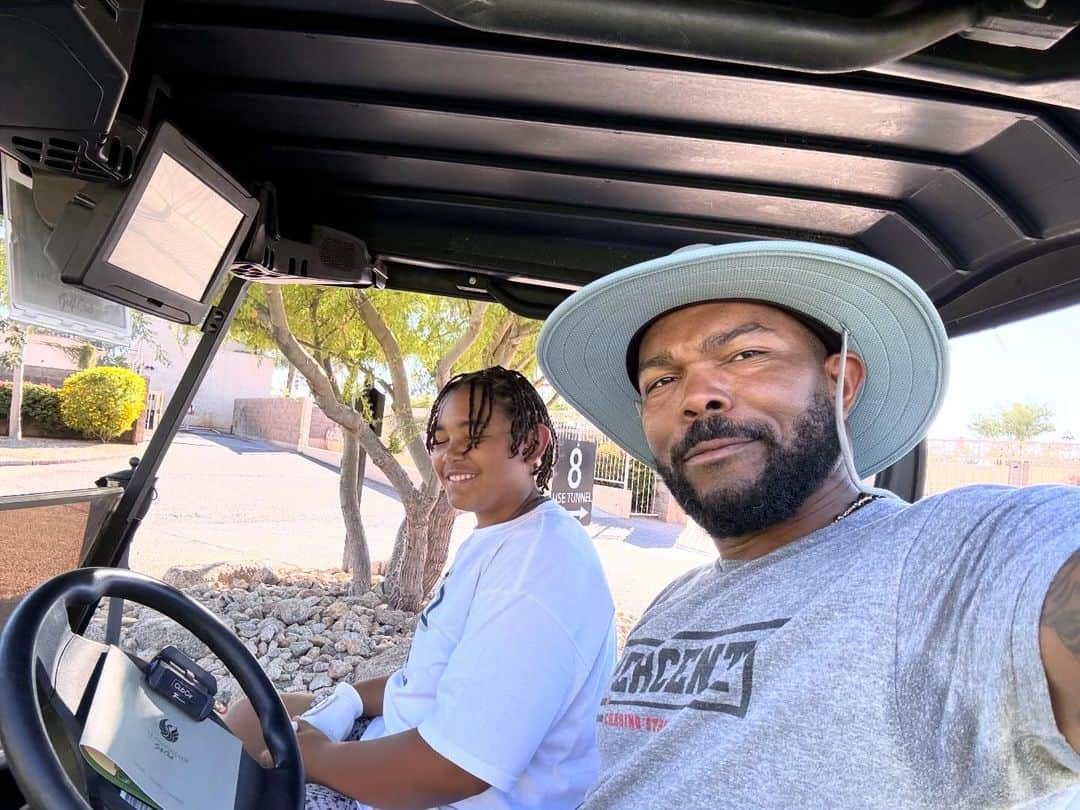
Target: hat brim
890	321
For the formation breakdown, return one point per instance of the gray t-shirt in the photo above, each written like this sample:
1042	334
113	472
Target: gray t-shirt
888	660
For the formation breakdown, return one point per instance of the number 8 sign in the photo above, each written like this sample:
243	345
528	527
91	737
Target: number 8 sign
572	483
573	476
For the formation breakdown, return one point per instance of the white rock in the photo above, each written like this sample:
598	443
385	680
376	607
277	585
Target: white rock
292	611
394	618
298	648
154	634
275	670
340	669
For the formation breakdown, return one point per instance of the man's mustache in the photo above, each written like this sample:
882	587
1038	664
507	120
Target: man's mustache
718	427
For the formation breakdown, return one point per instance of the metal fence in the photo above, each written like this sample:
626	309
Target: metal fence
615	467
954	463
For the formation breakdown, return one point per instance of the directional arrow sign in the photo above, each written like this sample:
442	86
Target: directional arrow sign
572	483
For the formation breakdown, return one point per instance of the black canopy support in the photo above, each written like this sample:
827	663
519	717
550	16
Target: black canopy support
743	32
116	536
907	477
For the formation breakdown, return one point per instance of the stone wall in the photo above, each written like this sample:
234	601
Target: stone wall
665	506
323	426
42	375
294	422
613	500
284	421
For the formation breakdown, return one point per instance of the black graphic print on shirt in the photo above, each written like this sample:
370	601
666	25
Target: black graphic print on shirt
710	670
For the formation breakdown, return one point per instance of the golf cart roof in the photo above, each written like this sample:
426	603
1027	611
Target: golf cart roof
516	149
493	165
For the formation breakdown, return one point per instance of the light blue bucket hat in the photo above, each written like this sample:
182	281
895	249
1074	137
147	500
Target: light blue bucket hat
890	322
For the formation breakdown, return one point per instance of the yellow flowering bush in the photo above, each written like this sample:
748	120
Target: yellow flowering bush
101	403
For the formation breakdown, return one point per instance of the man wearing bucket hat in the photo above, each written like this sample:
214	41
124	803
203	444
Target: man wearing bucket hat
846	649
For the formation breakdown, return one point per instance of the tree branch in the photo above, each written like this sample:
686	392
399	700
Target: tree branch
541	381
395	361
471	333
509	345
502	331
323	392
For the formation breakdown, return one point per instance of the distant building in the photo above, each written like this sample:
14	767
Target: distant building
236	373
47	359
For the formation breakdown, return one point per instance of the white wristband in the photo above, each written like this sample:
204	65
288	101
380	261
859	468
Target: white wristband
336	714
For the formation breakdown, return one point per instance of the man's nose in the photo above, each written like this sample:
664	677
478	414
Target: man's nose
706	389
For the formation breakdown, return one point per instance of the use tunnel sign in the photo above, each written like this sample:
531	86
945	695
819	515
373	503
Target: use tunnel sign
572	484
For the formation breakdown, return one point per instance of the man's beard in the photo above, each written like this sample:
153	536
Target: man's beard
790	475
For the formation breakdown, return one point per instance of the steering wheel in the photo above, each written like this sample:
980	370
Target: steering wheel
33	649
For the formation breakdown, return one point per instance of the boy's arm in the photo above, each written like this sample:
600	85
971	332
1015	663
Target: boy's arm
398	772
1059	641
371	692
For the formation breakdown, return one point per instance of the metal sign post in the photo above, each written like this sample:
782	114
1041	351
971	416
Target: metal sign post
376	405
572	483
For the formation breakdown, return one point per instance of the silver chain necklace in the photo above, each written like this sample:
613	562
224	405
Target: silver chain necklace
856	505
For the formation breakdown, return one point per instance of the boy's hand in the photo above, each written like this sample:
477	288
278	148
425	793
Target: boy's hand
313	746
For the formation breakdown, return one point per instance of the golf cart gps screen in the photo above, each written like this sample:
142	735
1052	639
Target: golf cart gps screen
162	243
178	232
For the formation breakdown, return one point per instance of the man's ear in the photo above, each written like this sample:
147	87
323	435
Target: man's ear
543	442
854	377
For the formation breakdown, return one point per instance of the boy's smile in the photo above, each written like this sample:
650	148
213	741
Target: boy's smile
485	478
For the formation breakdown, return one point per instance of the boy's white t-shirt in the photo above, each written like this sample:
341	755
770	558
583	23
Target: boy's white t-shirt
510	661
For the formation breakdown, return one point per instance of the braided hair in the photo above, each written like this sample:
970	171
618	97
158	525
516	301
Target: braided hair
521	403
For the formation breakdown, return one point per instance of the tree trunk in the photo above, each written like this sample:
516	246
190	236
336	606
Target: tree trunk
15	413
290	379
88	356
440	524
395	556
404	587
357	557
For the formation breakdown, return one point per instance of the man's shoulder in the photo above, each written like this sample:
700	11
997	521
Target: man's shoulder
986	520
681	584
978	500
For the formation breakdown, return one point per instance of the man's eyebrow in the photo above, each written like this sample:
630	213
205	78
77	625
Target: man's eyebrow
711	343
720	339
662	359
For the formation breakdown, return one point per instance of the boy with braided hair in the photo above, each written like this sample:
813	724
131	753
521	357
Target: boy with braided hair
496	704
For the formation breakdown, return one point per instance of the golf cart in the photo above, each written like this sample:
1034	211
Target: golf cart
509	151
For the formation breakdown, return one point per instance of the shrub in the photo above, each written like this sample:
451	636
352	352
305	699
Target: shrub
101	403
40	405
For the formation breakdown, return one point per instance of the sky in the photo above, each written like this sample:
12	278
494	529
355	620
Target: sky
1035	361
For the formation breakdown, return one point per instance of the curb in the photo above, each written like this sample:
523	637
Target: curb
37	462
42	461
